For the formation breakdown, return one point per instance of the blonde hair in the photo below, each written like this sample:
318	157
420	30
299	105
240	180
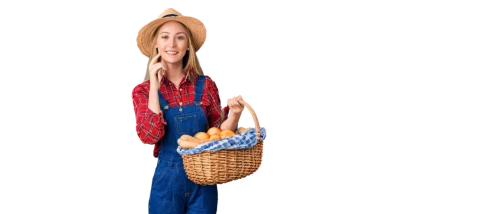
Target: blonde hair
189	61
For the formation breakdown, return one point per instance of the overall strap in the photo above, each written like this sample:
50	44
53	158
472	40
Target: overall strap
199	89
163	102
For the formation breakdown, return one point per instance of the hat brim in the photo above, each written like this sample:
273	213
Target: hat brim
146	34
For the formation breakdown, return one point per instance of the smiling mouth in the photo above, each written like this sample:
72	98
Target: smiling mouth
172	53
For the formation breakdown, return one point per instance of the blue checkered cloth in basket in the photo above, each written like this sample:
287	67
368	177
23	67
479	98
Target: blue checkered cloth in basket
244	140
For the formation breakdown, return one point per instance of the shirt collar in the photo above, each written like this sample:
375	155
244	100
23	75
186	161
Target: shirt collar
184	79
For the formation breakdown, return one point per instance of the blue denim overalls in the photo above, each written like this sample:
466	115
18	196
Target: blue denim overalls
171	190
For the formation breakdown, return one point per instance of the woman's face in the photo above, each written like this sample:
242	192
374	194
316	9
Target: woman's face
172	42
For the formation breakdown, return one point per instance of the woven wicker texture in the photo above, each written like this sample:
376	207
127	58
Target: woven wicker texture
225	165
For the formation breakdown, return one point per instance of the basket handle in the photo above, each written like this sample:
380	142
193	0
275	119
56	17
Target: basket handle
255	120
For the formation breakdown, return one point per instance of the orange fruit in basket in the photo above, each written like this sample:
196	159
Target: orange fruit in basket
213	131
202	136
214	137
226	133
242	130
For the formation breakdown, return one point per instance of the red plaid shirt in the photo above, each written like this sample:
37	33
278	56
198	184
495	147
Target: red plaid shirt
151	126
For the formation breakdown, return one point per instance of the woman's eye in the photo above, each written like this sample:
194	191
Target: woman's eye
164	37
180	38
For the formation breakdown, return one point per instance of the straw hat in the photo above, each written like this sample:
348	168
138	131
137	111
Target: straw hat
146	34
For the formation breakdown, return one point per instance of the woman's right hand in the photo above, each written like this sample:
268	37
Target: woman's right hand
156	71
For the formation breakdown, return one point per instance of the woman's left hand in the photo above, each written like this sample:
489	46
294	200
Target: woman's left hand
234	105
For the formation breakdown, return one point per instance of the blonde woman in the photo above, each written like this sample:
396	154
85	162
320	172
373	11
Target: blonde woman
176	99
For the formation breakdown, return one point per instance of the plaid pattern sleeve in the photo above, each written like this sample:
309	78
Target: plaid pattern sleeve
150	126
216	114
240	141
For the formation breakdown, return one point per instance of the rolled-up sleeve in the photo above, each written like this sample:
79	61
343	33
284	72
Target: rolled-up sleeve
150	126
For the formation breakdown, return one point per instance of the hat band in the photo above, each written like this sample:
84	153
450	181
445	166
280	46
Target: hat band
169	15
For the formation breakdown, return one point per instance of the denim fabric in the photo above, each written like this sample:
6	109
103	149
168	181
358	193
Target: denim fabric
171	190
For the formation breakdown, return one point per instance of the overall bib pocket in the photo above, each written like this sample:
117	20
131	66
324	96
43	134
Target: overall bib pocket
186	124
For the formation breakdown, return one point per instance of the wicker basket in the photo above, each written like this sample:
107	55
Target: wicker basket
208	168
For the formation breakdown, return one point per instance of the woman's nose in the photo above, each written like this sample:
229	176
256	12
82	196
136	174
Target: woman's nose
171	43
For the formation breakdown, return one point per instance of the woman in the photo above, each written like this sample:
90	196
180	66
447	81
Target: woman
177	99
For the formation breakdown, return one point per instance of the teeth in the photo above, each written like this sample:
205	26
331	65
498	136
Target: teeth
171	52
